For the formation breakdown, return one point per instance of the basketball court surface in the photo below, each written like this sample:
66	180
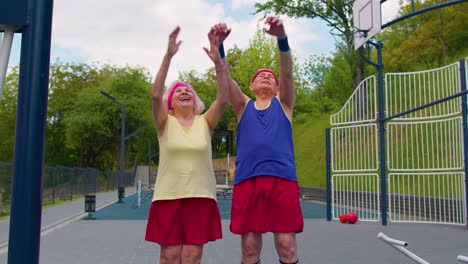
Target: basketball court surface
116	235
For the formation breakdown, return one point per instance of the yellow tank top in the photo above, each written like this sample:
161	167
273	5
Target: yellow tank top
185	165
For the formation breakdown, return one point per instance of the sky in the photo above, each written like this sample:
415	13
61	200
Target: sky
135	32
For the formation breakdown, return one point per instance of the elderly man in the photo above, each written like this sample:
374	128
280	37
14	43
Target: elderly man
266	191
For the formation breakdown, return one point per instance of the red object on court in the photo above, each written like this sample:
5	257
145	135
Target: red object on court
343	218
352	217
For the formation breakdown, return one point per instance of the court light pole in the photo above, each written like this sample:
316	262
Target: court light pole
137	133
121	188
149	158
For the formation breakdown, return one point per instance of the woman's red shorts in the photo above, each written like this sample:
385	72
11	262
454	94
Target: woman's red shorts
188	221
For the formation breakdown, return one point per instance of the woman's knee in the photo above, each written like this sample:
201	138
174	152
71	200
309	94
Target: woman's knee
170	254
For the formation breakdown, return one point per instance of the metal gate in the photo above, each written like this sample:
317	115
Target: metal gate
423	146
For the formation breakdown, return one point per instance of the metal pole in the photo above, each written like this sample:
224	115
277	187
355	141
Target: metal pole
462	258
28	160
227	169
136	133
400	246
463	88
383	165
149	162
5	55
122	154
149	155
120	188
328	169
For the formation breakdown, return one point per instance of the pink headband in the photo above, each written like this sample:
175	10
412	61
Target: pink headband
169	98
264	70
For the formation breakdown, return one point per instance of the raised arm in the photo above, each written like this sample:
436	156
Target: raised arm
216	110
287	90
160	110
236	97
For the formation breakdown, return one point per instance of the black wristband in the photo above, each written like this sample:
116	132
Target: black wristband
221	51
283	44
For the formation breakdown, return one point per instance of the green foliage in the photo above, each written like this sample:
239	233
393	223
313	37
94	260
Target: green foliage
261	53
311	93
83	126
338	83
338	15
432	39
94	123
309	141
8	115
66	81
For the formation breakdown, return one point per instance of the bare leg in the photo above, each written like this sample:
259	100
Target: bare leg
170	254
192	254
251	248
286	247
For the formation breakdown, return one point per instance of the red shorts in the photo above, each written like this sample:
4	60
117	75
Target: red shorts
188	221
266	204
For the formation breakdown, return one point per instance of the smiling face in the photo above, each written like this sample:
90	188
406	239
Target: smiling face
183	97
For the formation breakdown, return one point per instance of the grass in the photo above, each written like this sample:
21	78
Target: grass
49	205
310	148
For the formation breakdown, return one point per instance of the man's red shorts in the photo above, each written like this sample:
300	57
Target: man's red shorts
188	221
266	204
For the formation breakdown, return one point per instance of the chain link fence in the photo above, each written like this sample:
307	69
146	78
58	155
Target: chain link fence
60	183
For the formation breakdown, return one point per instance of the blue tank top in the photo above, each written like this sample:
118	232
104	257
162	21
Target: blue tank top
264	143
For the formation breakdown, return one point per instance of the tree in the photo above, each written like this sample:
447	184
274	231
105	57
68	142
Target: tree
337	14
432	39
66	82
93	125
337	83
8	106
312	74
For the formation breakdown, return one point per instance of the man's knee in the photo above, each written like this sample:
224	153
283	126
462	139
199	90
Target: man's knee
251	248
286	247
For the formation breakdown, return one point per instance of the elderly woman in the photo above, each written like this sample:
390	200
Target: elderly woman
184	214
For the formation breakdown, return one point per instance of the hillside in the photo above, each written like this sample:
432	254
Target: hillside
309	141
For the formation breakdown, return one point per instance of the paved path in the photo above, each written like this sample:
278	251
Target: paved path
55	217
121	240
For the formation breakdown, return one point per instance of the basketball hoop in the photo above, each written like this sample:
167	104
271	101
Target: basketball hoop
367	20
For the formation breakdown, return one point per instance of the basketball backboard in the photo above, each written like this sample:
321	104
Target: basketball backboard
367	20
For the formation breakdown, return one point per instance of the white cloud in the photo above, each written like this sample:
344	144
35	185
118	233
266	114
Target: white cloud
136	32
237	4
